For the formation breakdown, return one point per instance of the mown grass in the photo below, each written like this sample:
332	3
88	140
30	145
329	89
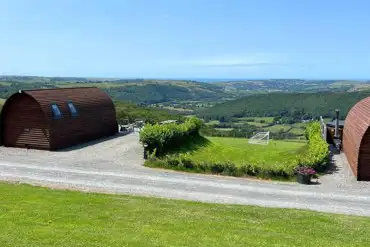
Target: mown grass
34	216
239	151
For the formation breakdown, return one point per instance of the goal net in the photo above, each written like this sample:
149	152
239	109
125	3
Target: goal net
261	138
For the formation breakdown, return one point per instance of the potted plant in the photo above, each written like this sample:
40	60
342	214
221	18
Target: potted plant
304	174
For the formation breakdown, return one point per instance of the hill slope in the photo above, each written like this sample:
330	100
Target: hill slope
285	104
152	91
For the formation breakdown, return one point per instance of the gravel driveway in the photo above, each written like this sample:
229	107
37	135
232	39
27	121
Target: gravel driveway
115	166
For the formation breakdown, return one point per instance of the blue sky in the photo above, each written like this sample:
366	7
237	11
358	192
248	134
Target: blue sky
186	38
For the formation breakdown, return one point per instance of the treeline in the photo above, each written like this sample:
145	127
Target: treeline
127	112
244	131
152	93
288	105
137	92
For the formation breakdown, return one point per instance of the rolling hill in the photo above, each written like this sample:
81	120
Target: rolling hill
153	91
296	105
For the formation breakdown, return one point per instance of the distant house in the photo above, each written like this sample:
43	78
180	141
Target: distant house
53	119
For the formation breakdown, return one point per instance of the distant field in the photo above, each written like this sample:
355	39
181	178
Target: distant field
278	127
258	124
224	129
4	83
92	84
177	109
257	119
2	101
214	122
298	125
297	131
238	151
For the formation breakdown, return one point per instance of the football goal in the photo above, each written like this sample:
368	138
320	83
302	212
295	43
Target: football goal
261	138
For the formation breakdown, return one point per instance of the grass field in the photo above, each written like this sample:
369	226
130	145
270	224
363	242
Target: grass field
2	101
297	131
91	84
33	217
278	127
238	151
224	129
4	83
214	122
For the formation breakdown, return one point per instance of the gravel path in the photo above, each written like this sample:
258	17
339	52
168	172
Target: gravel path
115	166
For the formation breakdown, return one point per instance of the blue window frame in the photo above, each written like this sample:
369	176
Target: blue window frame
72	109
57	114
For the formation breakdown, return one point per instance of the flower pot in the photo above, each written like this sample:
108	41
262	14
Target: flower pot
303	178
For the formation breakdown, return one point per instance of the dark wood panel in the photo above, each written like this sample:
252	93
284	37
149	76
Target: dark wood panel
356	139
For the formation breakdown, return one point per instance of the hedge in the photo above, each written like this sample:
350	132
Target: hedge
164	137
315	156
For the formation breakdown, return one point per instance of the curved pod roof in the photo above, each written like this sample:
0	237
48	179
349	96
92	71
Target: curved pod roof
356	139
95	118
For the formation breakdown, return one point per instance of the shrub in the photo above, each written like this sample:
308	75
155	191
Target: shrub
317	153
167	136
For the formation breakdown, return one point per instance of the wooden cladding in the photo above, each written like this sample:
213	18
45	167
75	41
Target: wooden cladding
356	139
57	118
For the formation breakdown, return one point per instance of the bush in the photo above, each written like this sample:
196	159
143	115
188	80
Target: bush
183	162
317	155
167	136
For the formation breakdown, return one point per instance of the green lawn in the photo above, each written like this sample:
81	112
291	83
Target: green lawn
34	216
239	151
2	101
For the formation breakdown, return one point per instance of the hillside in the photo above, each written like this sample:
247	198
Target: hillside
296	105
135	91
168	92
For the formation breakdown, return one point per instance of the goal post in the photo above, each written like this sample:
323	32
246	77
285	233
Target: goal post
261	138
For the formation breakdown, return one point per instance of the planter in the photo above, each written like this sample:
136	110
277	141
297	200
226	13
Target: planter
304	178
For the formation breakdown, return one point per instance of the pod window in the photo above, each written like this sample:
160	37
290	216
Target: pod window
72	109
56	112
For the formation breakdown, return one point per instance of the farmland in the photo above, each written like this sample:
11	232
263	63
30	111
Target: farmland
34	216
251	125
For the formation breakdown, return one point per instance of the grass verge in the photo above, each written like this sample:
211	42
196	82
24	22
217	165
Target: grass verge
34	216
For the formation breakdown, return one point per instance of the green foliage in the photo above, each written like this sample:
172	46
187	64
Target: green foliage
184	162
167	136
317	154
291	106
131	112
